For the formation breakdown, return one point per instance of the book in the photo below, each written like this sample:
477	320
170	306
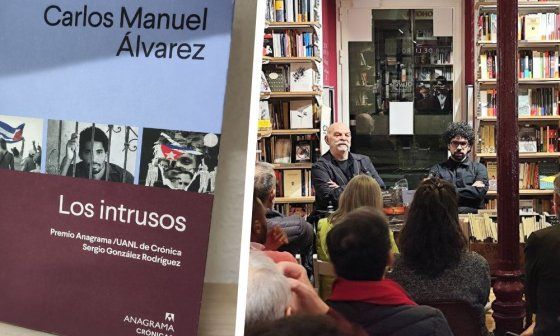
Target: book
265	88
292	182
524	103
282	150
492	167
301	77
301	114
527	140
302	151
276	77
547	172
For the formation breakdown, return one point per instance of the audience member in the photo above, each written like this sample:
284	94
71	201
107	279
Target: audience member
268	292
434	262
542	269
298	231
264	240
308	325
362	190
277	291
360	250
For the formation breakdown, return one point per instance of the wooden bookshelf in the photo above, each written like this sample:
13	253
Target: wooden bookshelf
523	44
291	25
554	155
280	107
524	119
303	199
521	81
297	165
290	94
283	60
525	192
523	5
485	47
299	131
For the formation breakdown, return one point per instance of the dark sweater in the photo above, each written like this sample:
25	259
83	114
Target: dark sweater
404	320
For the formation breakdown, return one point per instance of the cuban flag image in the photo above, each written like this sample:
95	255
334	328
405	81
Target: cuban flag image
173	152
11	134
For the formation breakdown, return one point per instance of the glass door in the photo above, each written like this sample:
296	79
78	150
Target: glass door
404	62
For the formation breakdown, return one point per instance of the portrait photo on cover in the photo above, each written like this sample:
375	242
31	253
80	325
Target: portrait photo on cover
92	151
179	160
20	143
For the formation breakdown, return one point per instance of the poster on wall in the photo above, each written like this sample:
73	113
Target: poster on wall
110	121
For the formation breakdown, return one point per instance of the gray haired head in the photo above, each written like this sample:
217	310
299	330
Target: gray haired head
268	291
265	180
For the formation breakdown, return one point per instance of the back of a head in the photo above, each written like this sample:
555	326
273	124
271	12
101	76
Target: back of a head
431	239
362	190
265	180
308	325
268	291
359	245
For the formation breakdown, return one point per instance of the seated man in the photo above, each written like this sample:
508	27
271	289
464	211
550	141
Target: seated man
299	232
360	250
92	147
469	178
332	171
264	240
542	268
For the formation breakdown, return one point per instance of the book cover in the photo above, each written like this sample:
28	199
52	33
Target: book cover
282	150
301	77
276	77
547	173
301	114
105	231
492	167
527	140
524	103
292	183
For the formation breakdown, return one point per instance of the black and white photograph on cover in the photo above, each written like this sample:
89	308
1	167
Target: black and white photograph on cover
303	151
93	151
179	160
20	143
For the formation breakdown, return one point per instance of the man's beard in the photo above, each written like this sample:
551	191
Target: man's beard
459	156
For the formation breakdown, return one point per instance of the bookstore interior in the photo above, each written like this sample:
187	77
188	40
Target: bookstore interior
398	73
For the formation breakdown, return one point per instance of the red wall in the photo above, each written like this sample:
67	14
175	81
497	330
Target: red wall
329	47
469	41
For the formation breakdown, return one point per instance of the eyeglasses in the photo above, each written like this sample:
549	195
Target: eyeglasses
455	143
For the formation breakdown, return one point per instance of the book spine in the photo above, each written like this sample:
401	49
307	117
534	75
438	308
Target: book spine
279	10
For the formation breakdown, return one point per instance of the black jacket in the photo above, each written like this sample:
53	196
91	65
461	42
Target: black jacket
462	175
394	320
300	236
542	269
325	170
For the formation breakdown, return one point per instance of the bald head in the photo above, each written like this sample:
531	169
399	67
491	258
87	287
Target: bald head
339	140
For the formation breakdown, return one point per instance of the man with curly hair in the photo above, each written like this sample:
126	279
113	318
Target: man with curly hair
469	178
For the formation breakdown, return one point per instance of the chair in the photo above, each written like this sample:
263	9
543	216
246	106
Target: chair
461	316
321	269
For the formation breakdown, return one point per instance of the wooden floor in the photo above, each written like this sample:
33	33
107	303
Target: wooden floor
217	316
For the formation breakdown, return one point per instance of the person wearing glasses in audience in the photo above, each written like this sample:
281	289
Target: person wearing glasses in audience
469	178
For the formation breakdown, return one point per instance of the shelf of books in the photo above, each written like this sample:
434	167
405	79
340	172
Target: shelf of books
538	98
282	60
290	100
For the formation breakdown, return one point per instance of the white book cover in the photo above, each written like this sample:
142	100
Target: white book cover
483	67
289	8
301	77
301	114
483	103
